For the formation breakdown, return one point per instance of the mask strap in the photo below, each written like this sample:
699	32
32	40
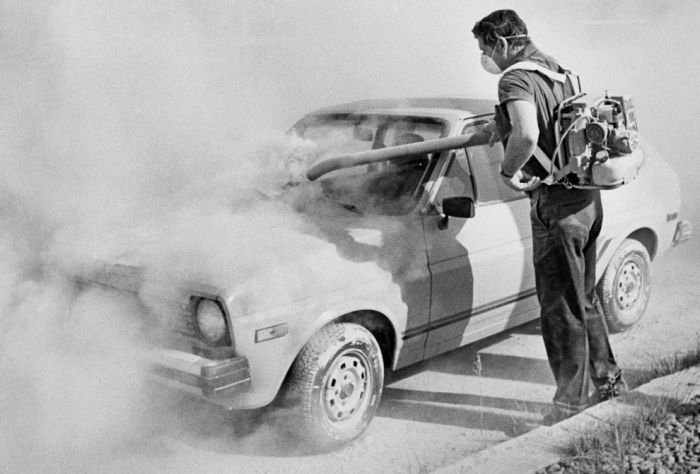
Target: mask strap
507	38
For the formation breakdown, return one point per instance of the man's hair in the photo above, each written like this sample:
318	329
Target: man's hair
501	23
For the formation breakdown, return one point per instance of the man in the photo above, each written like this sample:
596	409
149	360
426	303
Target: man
565	222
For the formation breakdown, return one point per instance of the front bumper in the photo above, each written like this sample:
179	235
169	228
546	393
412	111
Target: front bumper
683	231
214	380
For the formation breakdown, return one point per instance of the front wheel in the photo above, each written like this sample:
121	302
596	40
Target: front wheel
335	385
626	285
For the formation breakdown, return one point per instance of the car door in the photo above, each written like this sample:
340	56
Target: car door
481	269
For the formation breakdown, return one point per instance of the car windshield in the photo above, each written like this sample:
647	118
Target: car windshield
388	187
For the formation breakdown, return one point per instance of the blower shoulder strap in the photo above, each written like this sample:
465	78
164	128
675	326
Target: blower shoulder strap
540	155
555	76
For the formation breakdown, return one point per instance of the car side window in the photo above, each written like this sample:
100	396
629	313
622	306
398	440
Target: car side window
484	161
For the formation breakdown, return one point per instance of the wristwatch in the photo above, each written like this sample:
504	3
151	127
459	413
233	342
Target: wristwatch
503	173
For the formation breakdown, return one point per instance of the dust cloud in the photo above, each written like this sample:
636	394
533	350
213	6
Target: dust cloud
118	143
155	131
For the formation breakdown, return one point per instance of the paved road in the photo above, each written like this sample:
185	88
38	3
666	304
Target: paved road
431	415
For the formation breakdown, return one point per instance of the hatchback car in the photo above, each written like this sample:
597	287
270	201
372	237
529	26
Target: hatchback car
417	249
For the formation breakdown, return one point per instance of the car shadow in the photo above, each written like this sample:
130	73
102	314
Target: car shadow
457	409
471	409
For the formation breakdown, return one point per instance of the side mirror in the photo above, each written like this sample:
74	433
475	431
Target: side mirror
458	207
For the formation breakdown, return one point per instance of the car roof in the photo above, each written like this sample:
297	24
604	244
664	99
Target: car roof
411	106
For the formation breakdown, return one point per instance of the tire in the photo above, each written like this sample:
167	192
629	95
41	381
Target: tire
335	385
626	285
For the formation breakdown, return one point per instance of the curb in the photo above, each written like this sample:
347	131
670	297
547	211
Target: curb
546	445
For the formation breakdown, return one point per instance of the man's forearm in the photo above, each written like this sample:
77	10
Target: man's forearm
518	151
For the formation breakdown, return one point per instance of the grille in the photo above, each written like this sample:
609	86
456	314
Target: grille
169	311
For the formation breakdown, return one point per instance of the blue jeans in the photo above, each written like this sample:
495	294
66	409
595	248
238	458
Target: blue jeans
565	226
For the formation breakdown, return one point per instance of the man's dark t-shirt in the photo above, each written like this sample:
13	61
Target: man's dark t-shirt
541	91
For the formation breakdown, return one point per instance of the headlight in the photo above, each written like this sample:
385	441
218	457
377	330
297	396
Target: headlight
211	322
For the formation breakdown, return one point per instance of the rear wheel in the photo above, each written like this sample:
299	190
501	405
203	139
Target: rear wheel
626	285
335	385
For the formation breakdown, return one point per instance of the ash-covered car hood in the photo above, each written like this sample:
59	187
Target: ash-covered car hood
324	249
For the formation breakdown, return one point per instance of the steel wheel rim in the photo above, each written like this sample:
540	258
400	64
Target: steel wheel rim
347	387
630	287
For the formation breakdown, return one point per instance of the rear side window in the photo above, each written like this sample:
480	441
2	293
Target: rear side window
484	161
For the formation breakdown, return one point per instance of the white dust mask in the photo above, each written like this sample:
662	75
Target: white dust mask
489	64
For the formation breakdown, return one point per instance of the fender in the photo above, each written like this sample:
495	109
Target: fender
270	370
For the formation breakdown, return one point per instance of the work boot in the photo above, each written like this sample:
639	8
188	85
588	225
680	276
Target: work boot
613	387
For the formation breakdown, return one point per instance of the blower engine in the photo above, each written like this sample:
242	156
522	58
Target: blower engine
597	144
